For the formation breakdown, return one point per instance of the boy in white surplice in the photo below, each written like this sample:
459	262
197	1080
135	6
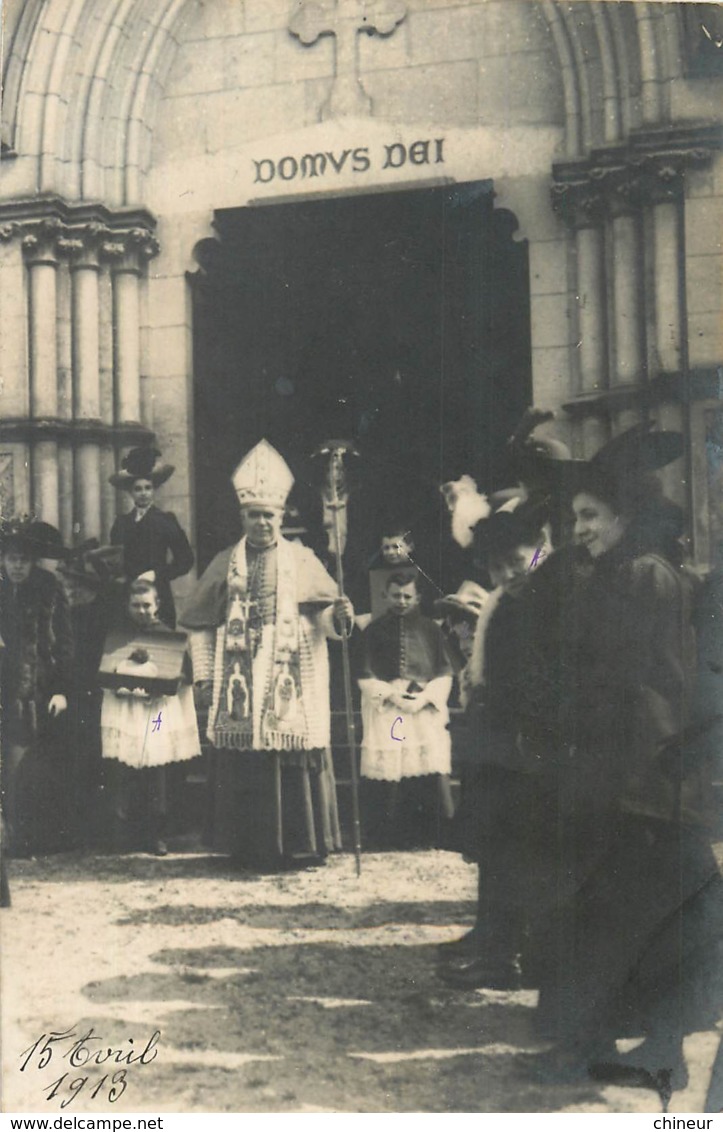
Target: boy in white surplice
406	755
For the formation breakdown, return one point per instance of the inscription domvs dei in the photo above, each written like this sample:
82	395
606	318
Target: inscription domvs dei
360	159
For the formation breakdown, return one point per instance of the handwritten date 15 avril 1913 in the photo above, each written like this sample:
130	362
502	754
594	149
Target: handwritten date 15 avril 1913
85	1051
112	1086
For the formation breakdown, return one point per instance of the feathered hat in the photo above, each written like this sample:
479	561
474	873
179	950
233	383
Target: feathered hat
534	459
467	506
141	464
33	537
263	478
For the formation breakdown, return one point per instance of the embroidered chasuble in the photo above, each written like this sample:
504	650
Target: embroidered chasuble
269	614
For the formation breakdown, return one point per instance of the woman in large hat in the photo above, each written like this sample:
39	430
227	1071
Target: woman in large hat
620	956
502	813
153	541
36	670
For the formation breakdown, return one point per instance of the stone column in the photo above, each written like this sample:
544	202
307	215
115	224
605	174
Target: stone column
665	186
591	308
128	254
71	369
40	255
86	379
127	346
582	206
627	285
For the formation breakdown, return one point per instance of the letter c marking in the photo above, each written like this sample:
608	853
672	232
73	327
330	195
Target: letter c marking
399	738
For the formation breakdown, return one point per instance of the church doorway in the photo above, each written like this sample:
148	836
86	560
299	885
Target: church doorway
398	321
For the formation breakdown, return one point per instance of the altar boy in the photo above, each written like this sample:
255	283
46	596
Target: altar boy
406	755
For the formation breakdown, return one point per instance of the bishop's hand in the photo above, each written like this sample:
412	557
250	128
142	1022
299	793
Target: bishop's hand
343	614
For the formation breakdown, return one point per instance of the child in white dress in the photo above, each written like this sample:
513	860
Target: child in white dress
143	733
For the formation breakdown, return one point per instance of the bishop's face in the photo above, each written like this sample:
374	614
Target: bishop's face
261	525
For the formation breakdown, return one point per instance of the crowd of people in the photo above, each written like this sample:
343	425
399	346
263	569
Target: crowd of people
581	656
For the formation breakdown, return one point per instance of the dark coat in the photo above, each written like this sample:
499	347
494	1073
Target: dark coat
609	676
147	545
507	819
37	664
610	672
635	670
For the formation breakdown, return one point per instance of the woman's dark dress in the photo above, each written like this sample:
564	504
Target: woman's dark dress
637	938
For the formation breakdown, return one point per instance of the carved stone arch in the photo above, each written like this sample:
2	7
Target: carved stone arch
88	128
36	41
647	17
56	168
15	68
86	82
612	118
570	81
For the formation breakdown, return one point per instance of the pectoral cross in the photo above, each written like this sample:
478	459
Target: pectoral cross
345	19
245	605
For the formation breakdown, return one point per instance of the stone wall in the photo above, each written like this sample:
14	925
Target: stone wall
171	109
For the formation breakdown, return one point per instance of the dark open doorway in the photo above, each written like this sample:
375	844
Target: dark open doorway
397	320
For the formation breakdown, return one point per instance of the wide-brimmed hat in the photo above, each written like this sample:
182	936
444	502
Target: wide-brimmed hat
38	539
466	604
141	464
518	522
92	563
624	462
108	562
621	472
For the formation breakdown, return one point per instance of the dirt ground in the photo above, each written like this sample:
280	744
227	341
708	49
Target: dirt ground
307	992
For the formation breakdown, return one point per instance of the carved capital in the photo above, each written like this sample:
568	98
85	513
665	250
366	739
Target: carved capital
112	249
51	230
8	231
40	240
129	251
666	181
69	246
626	192
580	204
143	243
648	168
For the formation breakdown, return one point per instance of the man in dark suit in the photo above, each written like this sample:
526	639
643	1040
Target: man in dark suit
153	541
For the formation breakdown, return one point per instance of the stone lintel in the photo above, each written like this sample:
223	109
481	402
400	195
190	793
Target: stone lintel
73	432
51	228
46	206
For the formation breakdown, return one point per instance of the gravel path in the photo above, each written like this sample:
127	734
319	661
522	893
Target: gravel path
307	992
